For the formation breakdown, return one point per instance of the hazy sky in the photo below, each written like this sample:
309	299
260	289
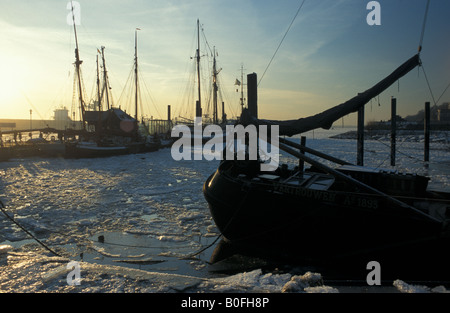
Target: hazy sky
329	55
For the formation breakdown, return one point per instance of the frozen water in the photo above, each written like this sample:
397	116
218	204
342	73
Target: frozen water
135	220
411	288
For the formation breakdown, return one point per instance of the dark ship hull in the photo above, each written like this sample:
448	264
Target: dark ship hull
313	216
78	151
92	150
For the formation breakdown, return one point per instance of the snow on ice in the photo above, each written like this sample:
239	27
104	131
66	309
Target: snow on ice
150	212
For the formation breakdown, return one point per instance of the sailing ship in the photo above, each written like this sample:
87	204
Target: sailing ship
211	115
329	215
106	132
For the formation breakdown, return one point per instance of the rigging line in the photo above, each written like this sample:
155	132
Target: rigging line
31	104
206	42
201	250
428	83
150	97
125	89
397	150
423	26
443	92
285	34
2	208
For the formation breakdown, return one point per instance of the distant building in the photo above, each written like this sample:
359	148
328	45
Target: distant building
61	119
444	113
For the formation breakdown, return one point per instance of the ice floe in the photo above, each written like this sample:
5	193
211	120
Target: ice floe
150	208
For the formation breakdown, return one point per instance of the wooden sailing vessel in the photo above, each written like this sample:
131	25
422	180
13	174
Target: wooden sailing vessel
321	214
114	131
211	115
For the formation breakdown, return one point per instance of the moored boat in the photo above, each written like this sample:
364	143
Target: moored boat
111	131
330	215
77	150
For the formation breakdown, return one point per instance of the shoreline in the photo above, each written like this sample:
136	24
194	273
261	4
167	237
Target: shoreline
438	136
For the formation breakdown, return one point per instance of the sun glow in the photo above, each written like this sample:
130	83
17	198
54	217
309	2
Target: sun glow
10	79
13	79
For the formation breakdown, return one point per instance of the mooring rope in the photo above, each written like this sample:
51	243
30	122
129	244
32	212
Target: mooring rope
2	208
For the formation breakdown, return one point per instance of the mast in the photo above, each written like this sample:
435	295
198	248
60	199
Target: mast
215	89
215	72
199	105
242	87
105	78
78	63
136	75
99	98
99	102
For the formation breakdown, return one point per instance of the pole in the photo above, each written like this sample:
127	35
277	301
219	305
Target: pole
224	117
99	98
135	76
360	139
242	87
393	129
252	94
427	132
198	109
215	88
301	162
78	63
199	104
105	78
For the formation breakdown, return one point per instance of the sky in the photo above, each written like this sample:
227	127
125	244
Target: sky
329	55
